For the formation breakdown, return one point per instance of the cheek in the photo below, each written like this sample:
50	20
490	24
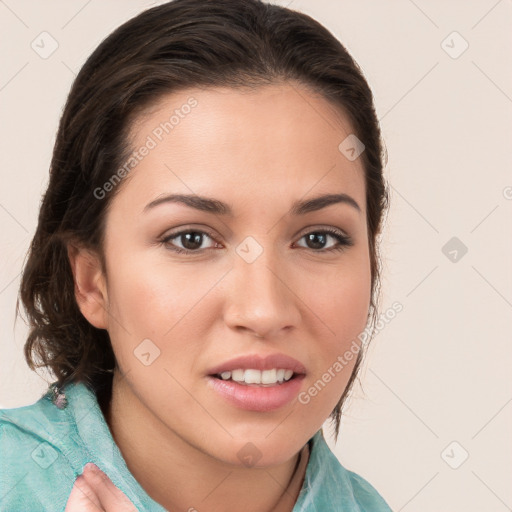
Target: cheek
150	295
337	349
137	280
153	307
139	294
341	306
341	299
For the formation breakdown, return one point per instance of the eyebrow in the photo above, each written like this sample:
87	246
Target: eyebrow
210	205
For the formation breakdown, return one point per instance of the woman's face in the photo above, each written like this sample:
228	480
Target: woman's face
260	278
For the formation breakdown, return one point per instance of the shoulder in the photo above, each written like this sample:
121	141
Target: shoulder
45	446
40	421
36	442
328	485
366	496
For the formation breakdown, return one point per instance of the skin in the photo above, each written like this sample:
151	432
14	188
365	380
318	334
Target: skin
94	491
259	151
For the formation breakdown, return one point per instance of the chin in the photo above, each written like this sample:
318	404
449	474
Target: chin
260	450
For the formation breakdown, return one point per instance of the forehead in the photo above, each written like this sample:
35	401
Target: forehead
268	142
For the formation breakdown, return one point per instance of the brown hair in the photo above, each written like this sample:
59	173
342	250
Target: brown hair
171	47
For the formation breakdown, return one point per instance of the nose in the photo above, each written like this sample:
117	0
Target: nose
260	298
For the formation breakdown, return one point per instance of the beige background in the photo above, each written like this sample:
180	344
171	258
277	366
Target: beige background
440	371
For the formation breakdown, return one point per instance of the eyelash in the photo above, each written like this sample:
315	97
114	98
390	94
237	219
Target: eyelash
343	240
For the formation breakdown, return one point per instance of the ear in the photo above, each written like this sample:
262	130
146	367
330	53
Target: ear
90	285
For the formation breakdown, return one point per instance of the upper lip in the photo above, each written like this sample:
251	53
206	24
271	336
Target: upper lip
259	362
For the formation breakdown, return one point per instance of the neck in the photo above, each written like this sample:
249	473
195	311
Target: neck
181	477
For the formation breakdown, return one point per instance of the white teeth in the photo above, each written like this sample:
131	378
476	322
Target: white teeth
252	377
265	377
269	376
237	375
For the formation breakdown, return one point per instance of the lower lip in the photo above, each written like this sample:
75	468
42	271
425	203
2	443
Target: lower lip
257	398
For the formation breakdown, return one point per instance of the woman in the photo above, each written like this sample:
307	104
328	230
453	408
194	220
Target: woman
204	270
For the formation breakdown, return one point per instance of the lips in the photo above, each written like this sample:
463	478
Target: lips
259	362
257	397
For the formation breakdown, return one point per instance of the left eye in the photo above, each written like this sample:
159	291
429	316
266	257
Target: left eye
320	237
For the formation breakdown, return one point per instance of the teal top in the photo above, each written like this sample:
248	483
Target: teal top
44	447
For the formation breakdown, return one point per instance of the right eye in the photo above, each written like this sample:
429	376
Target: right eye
190	239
